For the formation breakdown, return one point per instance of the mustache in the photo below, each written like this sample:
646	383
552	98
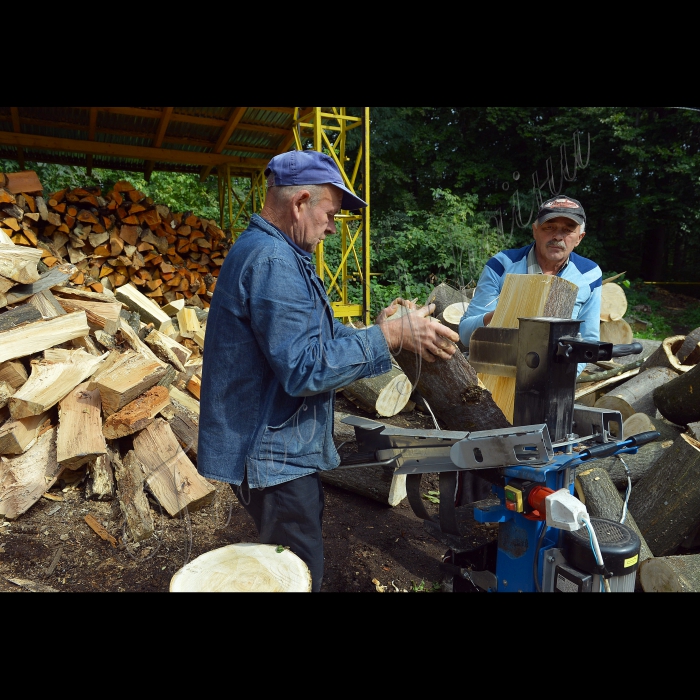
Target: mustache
554	244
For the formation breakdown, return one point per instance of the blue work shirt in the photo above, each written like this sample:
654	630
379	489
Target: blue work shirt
274	356
584	273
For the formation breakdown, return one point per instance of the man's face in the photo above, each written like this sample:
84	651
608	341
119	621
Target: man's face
317	222
555	239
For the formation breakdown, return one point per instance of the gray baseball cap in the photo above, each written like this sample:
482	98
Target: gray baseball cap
562	205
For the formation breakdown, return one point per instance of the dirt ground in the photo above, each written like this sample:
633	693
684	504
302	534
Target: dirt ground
369	547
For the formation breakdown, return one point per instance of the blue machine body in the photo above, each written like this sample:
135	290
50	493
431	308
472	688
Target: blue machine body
519	545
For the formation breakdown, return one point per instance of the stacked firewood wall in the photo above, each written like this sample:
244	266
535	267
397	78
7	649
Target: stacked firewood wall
119	237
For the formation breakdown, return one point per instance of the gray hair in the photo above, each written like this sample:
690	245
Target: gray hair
285	192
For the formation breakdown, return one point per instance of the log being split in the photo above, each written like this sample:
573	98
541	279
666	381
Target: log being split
673	574
665	356
666	501
386	395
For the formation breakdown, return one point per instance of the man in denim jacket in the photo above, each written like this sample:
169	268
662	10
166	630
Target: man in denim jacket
275	355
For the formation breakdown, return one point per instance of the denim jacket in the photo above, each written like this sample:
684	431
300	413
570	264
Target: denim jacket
274	356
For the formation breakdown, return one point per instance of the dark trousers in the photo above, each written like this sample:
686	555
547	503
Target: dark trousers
290	514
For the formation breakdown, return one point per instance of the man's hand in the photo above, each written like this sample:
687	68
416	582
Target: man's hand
414	331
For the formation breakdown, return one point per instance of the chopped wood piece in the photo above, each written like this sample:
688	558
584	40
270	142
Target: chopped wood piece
128	378
137	414
16	436
18	263
100	482
188	322
55	276
187	402
25	478
104	316
132	497
80	438
185	427
149	311
168	349
47	304
384	395
171	477
13	373
50	381
616	332
613	303
195	384
40	335
18	316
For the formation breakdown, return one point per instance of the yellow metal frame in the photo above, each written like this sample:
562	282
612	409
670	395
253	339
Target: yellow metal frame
327	127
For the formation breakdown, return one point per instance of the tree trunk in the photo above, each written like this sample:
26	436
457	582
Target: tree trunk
444	295
678	400
666	501
674	574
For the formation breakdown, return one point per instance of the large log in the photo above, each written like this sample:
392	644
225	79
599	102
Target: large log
526	296
673	574
613	302
384	395
666	501
444	295
678	400
665	356
599	494
636	395
689	346
638	464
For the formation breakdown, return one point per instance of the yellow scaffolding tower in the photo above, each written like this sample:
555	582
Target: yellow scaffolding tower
326	128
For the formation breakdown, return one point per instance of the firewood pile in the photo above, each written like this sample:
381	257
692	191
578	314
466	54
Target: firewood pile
98	380
121	237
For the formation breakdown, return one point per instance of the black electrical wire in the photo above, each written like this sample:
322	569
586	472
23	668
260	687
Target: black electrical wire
537	554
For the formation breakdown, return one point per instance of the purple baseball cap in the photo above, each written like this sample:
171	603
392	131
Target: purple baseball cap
310	168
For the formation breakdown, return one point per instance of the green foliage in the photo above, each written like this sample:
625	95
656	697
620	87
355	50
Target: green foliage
421	587
647	308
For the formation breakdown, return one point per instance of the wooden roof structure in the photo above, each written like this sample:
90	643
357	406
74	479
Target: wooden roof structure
196	140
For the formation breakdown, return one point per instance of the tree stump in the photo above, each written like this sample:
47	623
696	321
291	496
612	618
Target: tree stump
678	400
666	501
674	574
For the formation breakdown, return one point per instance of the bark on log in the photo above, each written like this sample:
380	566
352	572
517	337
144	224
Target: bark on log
673	574
638	464
666	501
185	427
689	346
137	414
597	492
678	400
384	395
665	356
637	394
372	482
443	295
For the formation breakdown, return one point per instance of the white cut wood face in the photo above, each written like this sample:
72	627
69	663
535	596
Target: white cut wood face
616	332
244	568
613	302
454	312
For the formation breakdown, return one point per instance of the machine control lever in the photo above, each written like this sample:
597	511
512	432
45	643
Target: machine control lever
622	350
611	448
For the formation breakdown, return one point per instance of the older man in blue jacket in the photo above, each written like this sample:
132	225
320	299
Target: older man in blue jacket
275	355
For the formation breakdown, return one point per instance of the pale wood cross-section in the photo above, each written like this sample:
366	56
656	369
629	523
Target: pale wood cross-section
613	302
40	335
244	568
526	296
80	438
170	475
188	322
51	381
25	478
384	395
168	349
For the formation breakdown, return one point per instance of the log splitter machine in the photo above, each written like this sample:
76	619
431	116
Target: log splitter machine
546	541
